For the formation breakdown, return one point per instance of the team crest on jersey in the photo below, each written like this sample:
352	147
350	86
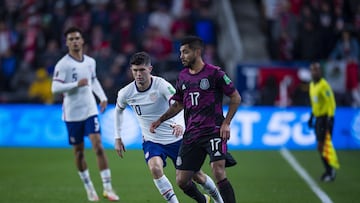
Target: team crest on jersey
204	84
153	96
178	161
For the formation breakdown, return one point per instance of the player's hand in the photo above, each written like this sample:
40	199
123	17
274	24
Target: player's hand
225	131
103	106
154	125
119	147
83	82
177	129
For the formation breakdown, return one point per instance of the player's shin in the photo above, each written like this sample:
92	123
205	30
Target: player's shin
226	191
166	190
210	187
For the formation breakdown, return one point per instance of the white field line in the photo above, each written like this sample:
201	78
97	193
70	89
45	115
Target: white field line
305	176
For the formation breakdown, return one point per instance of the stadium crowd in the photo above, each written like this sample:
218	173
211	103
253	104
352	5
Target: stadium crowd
31	40
296	30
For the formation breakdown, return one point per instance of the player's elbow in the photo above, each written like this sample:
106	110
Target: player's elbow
235	98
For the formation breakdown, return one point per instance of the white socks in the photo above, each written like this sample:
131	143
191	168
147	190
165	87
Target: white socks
210	187
85	177
166	190
106	179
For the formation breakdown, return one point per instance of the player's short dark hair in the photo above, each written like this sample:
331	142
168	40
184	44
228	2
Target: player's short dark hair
73	29
140	58
194	42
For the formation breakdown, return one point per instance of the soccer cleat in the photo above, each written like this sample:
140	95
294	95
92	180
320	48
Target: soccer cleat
92	195
111	195
328	177
229	160
207	198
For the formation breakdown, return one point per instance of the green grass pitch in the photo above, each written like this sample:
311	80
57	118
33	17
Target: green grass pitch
30	175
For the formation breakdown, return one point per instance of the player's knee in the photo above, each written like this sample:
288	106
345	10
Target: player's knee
99	151
219	172
199	177
182	183
79	155
156	171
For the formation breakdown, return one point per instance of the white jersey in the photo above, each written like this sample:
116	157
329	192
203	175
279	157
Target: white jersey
79	102
148	106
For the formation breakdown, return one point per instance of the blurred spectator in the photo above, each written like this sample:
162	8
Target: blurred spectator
7	69
99	14
339	20
161	18
286	46
335	74
269	92
326	30
117	77
157	44
30	36
140	22
121	25
19	85
81	16
97	39
307	45
50	56
347	47
204	24
40	88
300	96
104	59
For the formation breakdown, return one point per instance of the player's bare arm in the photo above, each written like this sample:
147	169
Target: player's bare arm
235	100
174	109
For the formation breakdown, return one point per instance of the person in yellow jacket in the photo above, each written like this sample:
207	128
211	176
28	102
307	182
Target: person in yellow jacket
323	109
40	88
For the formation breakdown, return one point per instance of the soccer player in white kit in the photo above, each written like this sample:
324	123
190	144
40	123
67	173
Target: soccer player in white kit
75	78
149	96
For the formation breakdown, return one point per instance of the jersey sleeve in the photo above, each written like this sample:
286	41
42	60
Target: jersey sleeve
59	84
329	99
121	100
224	82
98	90
166	89
95	84
178	95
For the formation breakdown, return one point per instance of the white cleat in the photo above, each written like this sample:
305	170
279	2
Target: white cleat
111	195
92	195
